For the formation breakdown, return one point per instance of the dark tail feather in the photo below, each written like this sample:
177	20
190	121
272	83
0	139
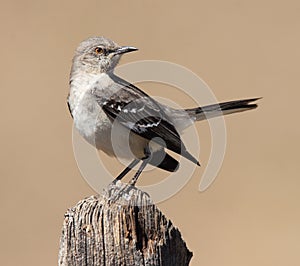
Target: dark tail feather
225	108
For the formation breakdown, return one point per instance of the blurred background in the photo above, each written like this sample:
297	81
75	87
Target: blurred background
251	213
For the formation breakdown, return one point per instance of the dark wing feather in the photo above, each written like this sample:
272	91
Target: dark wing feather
164	161
141	114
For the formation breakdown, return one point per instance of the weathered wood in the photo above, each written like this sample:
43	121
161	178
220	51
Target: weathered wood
120	227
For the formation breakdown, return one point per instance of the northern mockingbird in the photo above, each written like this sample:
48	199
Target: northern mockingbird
103	105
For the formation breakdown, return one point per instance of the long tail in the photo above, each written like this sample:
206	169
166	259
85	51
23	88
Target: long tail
225	108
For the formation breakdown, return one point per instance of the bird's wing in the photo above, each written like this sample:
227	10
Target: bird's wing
142	115
69	106
163	160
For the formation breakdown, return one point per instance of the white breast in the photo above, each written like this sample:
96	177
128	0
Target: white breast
94	125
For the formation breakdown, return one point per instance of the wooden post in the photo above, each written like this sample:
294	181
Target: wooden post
120	227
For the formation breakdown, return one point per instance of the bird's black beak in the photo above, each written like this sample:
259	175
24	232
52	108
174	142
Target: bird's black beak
125	49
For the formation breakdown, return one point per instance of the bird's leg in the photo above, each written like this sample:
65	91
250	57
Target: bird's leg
139	171
127	170
146	160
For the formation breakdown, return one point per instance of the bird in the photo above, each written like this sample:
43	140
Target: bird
123	121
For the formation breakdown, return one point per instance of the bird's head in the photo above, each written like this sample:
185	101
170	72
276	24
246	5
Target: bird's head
99	55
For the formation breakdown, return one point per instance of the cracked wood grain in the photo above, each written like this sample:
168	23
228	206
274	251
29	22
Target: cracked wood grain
120	227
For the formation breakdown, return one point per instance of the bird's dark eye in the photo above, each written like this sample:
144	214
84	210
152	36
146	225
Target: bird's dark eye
99	50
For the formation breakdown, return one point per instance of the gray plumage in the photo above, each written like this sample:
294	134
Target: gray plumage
120	119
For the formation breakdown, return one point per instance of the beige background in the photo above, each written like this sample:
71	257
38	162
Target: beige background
251	214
